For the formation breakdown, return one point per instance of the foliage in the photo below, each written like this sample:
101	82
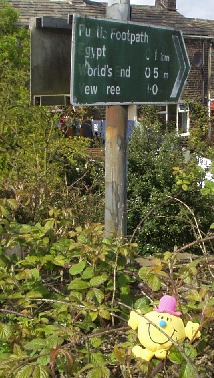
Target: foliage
14	75
45	169
39	167
200	124
66	300
66	290
164	191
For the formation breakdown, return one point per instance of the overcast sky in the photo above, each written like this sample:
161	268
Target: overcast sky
189	8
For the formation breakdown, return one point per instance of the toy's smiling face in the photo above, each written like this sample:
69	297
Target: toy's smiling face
152	338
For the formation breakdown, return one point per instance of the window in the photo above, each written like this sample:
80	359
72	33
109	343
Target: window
175	117
183	119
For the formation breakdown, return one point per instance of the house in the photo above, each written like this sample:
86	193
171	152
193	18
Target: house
198	36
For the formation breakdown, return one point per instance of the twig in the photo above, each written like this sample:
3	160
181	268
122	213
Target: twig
115	283
106	331
202	241
15	313
55	301
195	242
157	369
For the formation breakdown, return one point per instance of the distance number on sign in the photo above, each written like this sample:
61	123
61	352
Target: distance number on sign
154	74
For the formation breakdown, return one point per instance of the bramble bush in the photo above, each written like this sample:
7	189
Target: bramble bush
66	290
66	295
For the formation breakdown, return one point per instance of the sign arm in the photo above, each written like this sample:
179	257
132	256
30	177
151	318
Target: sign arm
182	69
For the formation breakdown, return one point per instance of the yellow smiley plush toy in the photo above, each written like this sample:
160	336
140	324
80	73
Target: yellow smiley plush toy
159	328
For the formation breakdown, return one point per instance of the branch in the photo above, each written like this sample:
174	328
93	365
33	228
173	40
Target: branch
198	241
15	313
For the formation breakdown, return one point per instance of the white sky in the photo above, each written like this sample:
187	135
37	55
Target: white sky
189	8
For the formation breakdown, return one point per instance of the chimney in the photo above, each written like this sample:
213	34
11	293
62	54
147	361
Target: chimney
166	4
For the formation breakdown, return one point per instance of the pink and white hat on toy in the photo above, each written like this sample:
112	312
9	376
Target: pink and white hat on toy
167	304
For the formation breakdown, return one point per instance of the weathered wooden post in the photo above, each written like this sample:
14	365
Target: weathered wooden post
116	148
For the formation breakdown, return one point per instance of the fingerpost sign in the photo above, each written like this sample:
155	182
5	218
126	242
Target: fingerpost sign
126	63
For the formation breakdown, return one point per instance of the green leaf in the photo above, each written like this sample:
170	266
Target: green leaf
95	293
143	272
187	371
24	274
120	354
60	260
49	225
88	273
190	351
105	314
93	315
98	294
77	268
35	344
97	358
175	356
40	372
211	302
32	371
13	203
78	284
124	283
150	278
35	273
142	304
193	295
99	372
75	295
44	360
17	350
25	372
15	296
98	280
95	342
185	187
33	294
5	331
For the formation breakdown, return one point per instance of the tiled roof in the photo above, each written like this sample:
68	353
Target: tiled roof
203	27
37	8
161	17
173	19
153	15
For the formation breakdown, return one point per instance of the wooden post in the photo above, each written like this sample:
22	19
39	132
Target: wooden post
116	148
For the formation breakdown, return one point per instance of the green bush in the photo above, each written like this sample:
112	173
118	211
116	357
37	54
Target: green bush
65	302
38	166
165	202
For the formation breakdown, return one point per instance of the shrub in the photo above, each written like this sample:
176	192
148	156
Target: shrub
164	193
66	301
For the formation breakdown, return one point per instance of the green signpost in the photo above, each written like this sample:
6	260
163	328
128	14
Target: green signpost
126	63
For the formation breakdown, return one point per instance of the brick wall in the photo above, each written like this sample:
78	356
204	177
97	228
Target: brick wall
212	74
197	83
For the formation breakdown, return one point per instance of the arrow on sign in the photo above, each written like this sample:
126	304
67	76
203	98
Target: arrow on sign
182	69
